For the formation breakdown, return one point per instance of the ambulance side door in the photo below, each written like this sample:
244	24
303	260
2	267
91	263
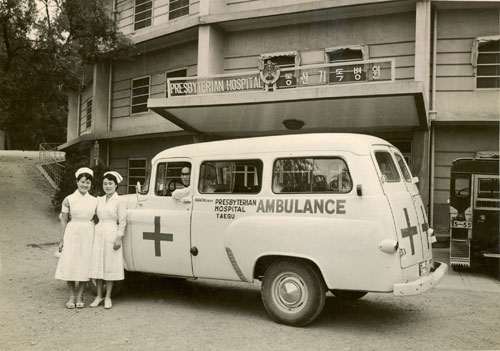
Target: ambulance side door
161	235
401	203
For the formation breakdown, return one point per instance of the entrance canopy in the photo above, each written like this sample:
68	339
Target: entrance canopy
269	102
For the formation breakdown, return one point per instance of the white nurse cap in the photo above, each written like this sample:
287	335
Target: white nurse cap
84	170
117	175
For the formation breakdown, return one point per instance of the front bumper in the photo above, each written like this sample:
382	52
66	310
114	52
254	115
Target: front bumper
422	284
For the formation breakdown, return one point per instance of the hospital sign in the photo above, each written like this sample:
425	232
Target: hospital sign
272	78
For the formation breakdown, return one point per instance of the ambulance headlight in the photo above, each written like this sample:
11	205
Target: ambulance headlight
388	246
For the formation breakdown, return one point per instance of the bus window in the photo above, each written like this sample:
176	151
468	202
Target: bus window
488	188
462	187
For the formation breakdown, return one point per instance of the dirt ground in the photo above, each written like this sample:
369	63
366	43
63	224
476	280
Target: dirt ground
463	313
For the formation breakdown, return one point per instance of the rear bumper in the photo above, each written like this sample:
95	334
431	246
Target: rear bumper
425	283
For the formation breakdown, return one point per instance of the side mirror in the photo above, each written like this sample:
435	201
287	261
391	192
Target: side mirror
383	179
415	180
138	188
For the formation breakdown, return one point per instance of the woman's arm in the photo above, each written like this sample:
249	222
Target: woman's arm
64	221
122	223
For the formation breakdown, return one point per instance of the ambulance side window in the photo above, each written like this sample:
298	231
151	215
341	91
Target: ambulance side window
311	175
230	177
387	166
166	173
403	167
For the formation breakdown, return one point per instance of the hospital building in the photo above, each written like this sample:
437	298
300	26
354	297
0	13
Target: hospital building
422	74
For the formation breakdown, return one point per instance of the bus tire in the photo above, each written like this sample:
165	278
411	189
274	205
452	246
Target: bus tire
293	293
348	294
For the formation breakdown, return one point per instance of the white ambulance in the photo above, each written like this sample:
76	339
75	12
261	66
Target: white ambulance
305	214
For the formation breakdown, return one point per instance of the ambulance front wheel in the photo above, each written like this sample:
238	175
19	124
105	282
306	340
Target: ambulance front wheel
293	293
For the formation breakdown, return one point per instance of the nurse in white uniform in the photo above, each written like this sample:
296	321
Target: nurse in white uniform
107	256
76	237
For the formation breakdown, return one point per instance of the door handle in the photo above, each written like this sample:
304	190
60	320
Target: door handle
194	251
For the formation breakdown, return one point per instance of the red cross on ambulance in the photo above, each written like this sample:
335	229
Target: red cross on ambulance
157	236
409	232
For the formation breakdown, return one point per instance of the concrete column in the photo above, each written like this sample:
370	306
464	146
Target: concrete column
423	44
73	114
100	98
420	162
421	138
210	50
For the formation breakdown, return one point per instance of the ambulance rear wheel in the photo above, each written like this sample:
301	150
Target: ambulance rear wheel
293	293
348	294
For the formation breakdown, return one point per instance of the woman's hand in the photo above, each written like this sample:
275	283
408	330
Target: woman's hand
118	243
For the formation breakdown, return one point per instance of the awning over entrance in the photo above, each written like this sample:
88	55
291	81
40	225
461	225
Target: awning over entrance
389	106
215	106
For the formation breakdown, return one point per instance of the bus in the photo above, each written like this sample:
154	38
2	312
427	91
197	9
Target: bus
474	210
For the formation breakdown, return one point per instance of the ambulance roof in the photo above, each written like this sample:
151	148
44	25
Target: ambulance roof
355	143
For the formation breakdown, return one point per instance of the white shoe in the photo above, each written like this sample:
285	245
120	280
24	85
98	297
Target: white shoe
107	303
97	301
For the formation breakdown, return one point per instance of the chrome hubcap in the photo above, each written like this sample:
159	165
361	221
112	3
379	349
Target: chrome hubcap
290	292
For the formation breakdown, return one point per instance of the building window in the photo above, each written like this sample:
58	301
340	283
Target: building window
137	169
86	116
349	73
178	8
284	60
143	13
140	95
486	61
175	74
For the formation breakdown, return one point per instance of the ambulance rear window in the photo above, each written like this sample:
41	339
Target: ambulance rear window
403	167
311	175
387	166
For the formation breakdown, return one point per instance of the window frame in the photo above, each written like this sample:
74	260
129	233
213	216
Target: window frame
170	18
475	53
86	109
336	157
257	164
403	168
129	176
394	163
167	94
185	163
143	20
479	202
290	68
364	56
132	94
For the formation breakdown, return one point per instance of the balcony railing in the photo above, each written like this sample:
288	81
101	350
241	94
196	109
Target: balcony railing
51	163
272	78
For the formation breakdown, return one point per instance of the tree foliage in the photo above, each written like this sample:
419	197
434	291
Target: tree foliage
45	47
